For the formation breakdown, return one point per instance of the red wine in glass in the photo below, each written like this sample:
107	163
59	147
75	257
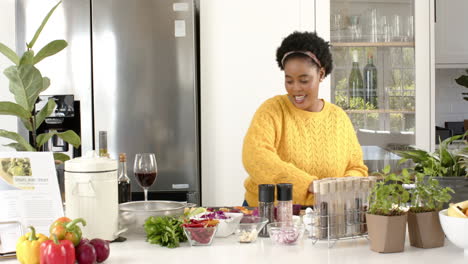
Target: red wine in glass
145	179
145	170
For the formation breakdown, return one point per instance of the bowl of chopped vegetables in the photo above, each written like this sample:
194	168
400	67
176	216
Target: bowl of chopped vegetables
249	227
200	232
283	233
227	221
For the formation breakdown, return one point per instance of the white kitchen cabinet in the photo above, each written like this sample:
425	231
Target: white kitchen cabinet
451	36
238	42
399	35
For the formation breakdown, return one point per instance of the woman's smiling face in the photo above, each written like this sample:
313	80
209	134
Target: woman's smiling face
302	79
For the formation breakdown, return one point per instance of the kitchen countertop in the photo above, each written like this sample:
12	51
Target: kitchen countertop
228	250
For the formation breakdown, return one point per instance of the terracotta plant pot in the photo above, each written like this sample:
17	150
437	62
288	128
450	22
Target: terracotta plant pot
425	230
386	233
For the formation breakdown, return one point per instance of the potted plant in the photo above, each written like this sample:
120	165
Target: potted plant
26	83
386	221
428	198
443	163
463	81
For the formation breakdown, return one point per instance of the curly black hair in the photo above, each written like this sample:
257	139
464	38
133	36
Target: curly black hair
306	41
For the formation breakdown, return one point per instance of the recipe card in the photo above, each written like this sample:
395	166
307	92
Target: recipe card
29	195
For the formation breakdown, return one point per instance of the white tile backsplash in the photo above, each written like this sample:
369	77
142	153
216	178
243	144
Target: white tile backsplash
449	103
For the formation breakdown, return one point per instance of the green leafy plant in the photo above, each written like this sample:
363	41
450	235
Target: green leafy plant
388	196
442	162
464	160
428	195
166	231
463	81
26	83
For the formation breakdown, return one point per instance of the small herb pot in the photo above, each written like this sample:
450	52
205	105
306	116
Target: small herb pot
425	230
386	233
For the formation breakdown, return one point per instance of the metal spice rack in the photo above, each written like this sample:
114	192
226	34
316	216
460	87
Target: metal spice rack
338	227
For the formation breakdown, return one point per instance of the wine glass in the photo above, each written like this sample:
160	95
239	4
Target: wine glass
145	170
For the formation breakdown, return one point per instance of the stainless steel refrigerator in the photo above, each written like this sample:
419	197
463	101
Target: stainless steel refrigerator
143	85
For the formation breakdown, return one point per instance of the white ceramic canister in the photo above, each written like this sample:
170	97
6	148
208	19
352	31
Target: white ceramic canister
91	192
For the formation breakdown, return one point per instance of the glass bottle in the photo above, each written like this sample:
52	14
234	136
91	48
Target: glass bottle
125	191
349	207
355	83
285	203
324	213
316	214
103	144
266	205
370	81
332	209
340	198
357	204
365	205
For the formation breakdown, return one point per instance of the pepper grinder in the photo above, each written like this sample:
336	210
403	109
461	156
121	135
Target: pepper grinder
266	205
285	203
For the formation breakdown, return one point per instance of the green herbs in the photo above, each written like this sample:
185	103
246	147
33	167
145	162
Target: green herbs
442	162
428	195
165	231
388	196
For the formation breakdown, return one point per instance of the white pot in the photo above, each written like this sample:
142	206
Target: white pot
91	192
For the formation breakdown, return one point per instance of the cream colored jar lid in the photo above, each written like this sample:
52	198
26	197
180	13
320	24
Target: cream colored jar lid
91	162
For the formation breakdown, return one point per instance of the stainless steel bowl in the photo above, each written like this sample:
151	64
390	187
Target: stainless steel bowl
134	214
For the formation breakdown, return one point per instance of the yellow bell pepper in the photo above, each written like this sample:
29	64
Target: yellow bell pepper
27	247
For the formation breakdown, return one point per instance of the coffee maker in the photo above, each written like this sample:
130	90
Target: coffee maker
66	116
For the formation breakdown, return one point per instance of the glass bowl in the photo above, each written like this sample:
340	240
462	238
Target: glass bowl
285	233
226	227
249	227
200	236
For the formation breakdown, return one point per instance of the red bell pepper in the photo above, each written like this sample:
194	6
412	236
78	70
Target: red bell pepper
55	252
65	228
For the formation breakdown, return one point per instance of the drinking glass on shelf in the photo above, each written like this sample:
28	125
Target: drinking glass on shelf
145	170
355	28
382	29
336	26
409	28
396	27
373	24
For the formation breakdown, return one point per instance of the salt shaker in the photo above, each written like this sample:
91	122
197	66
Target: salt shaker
285	203
266	206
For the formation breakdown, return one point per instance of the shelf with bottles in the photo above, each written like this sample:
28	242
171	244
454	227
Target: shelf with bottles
372	44
379	92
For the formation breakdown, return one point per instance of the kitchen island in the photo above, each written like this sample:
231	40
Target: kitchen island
228	250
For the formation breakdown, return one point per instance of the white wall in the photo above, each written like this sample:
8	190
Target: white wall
239	39
7	37
449	105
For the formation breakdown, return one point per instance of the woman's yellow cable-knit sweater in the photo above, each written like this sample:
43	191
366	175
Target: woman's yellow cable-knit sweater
285	144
